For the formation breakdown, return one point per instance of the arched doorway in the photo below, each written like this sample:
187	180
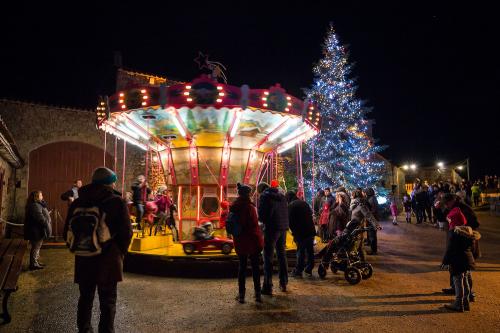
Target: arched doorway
54	167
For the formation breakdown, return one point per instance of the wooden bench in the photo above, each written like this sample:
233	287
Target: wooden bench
11	261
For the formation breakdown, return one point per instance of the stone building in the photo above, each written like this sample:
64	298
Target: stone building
10	162
58	145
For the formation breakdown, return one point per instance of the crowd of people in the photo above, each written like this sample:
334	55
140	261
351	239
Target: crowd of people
424	201
263	231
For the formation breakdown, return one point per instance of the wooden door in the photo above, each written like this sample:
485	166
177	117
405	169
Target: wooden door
53	168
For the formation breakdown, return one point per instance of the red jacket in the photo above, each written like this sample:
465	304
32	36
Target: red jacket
250	241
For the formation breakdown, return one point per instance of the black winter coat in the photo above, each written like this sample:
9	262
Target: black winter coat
138	192
301	221
459	250
36	221
273	210
108	266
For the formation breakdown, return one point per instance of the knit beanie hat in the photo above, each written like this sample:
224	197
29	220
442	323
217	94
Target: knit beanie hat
262	187
103	176
243	190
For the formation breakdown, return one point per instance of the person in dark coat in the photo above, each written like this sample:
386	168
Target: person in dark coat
37	226
372	202
339	214
318	199
103	271
140	193
460	260
249	243
303	231
72	194
273	213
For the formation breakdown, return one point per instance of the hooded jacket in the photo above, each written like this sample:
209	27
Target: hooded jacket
360	210
37	222
108	266
273	210
459	250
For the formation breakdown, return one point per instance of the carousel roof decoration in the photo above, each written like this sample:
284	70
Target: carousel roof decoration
197	122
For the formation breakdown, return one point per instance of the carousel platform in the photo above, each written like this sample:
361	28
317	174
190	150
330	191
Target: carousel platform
160	255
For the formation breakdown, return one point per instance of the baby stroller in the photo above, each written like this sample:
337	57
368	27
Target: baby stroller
341	254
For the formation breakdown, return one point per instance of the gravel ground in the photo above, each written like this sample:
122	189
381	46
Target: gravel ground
402	296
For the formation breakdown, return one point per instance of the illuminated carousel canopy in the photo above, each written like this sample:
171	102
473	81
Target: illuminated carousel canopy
207	132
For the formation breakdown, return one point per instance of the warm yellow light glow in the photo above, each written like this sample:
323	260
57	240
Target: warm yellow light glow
143	91
189	99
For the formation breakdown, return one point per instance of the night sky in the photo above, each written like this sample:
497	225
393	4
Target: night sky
430	72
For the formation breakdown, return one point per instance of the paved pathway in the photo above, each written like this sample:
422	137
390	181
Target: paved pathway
402	296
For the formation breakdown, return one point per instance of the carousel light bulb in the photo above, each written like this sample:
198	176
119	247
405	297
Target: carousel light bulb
122	94
123	106
288	98
266	92
221	94
264	99
186	93
188	87
265	105
219	100
219	87
190	99
143	91
145	97
120	101
143	103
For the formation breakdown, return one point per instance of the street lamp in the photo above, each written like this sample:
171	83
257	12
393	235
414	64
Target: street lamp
460	167
413	167
440	165
405	167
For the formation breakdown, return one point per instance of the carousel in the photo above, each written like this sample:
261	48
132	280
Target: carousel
200	139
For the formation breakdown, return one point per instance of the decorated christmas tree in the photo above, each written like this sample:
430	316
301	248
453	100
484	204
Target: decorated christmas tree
344	152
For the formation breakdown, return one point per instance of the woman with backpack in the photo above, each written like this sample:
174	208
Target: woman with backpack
37	226
248	243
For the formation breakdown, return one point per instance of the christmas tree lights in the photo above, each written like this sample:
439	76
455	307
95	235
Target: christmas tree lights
344	152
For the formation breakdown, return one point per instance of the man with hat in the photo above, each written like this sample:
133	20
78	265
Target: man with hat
103	271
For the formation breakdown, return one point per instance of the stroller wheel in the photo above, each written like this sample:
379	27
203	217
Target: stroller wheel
352	275
366	270
321	271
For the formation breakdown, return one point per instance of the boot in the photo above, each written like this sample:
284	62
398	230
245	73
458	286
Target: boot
449	291
241	297
455	306
258	297
466	306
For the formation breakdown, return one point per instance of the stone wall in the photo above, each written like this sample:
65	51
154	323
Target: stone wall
7	193
35	125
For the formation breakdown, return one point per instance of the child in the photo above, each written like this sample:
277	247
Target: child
224	212
394	210
407	207
324	221
460	260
